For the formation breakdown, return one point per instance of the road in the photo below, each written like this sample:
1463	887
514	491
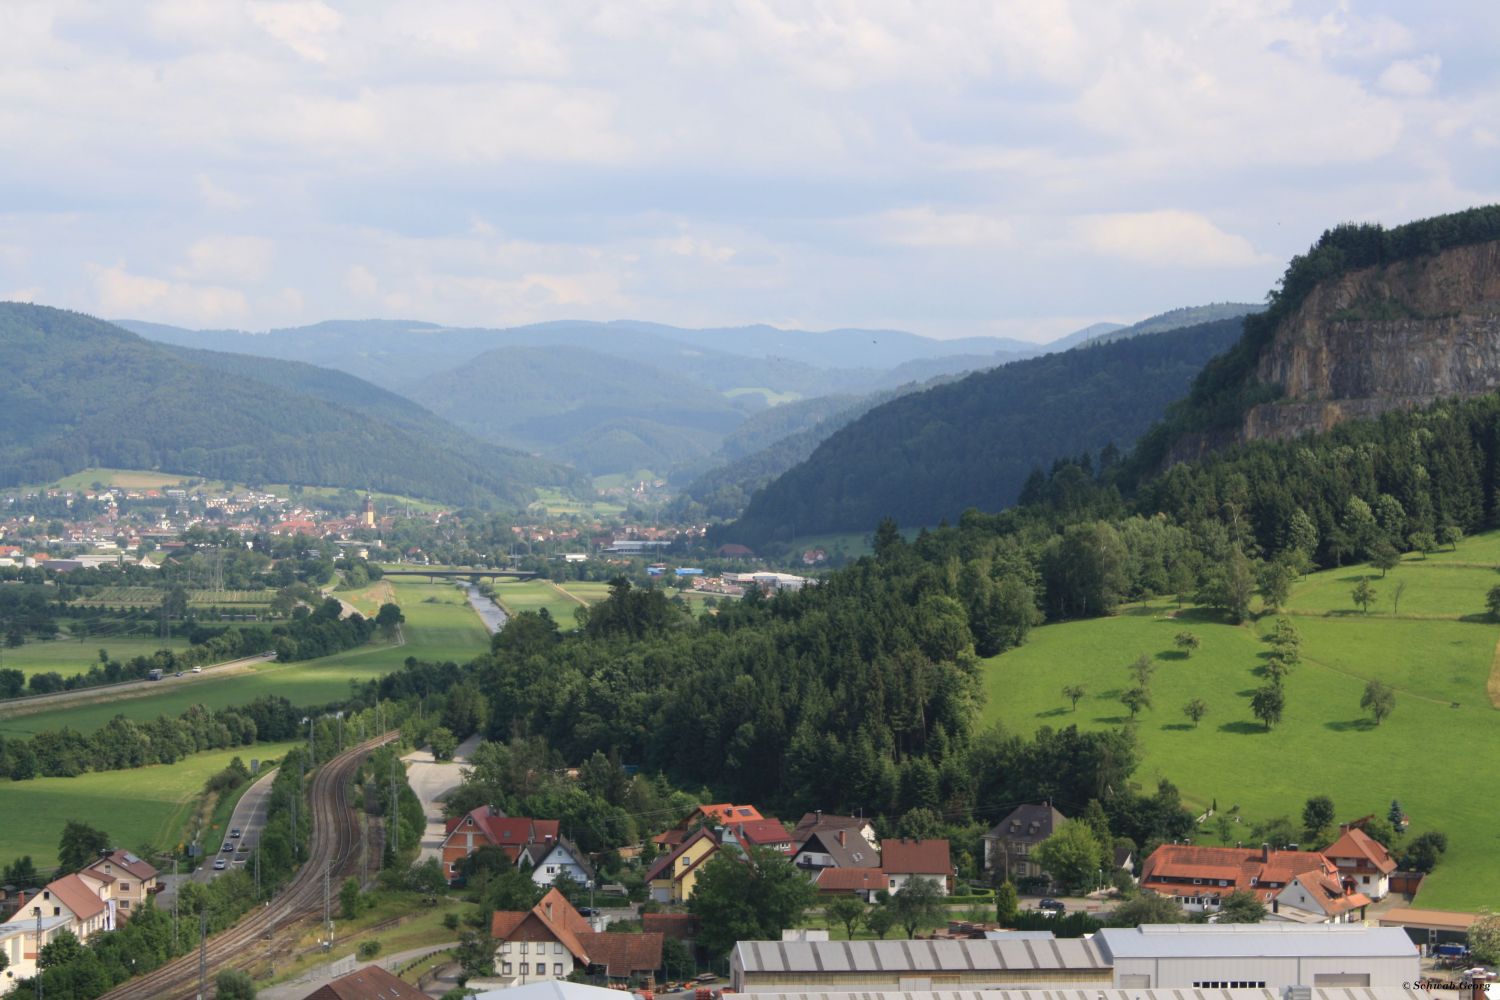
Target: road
14	707
249	818
335	846
432	780
316	979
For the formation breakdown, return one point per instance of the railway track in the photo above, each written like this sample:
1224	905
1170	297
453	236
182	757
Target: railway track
258	935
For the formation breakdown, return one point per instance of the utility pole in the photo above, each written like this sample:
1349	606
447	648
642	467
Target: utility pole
312	744
176	893
295	797
38	979
327	908
257	872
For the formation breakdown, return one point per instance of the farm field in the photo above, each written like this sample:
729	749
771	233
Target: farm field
517	596
151	597
367	600
439	626
1438	661
129	479
140	807
557	502
69	656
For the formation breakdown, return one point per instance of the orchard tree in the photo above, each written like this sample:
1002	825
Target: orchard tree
1187	642
753	898
1379	699
1267	704
79	846
1317	816
919	903
1073	692
1242	907
1195	710
1383	556
846	910
1072	855
1135	699
1363	594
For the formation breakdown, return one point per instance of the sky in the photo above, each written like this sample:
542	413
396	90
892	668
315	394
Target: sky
947	167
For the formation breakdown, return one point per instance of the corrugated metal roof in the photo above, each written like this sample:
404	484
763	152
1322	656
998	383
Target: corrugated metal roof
1074	993
1254	941
918	956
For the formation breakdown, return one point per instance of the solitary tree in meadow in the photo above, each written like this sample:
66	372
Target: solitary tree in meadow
1396	596
1074	693
1141	670
1383	556
1267	704
1135	699
1363	594
1195	710
1379	700
1187	642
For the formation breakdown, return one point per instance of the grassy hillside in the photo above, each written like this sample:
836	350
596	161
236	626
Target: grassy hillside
81	393
972	443
1438	656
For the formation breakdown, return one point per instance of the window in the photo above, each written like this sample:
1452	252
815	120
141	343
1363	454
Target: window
551	869
57	911
557	947
1197	881
1230	984
893	885
524	947
124	904
124	886
505	968
557	969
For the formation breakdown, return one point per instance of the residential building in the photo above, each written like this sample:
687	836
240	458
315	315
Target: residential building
771	834
1364	860
489	827
672	877
1198	878
73	903
861	882
819	821
905	859
843	847
1009	844
716	814
129	881
369	983
549	859
552	940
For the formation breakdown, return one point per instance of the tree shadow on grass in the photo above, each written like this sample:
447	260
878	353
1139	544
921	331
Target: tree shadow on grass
1355	725
1178	726
1242	727
1171	654
1112	720
1247	693
1483	618
1049	713
1203	616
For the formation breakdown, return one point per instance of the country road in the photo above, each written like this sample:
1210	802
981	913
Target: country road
16	707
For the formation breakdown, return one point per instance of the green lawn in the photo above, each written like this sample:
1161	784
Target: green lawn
439	626
1325	743
69	656
145	807
131	479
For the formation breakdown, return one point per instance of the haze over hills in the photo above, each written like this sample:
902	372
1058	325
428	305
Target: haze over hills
627	395
971	443
82	392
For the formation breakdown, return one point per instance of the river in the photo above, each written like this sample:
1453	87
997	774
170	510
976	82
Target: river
489	612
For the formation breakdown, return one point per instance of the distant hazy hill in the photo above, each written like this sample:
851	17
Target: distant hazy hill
81	392
971	443
604	414
1175	319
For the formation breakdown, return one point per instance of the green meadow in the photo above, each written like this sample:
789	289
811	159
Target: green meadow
1437	656
141	809
70	656
439	626
516	596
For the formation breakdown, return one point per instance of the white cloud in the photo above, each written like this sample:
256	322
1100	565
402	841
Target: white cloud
1168	238
119	293
361	282
928	227
214	196
235	259
301	25
1411	77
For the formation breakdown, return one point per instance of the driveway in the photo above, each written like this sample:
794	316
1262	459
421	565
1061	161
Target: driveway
432	781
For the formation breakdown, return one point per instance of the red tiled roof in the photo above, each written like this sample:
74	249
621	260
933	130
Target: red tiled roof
762	832
75	894
370	983
556	914
622	955
1241	868
915	857
851	880
663	866
509	832
1357	844
1327	892
128	862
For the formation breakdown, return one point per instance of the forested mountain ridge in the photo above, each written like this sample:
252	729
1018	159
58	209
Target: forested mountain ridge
82	392
1369	319
972	442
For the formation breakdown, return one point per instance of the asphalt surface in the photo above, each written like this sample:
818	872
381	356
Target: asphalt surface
432	781
125	689
249	818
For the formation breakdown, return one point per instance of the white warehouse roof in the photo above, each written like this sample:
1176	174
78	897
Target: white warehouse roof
919	956
1254	941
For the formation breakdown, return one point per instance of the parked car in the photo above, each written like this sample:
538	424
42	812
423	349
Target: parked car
1051	905
197	670
587	911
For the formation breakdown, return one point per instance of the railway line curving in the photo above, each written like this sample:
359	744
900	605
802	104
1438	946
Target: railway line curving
334	847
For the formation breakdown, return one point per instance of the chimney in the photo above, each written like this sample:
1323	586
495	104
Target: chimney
841	838
1265	851
819	813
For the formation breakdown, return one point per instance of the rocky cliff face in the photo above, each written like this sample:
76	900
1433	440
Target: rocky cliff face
1384	338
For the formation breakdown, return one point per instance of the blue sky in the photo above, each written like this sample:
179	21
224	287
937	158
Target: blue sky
951	168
